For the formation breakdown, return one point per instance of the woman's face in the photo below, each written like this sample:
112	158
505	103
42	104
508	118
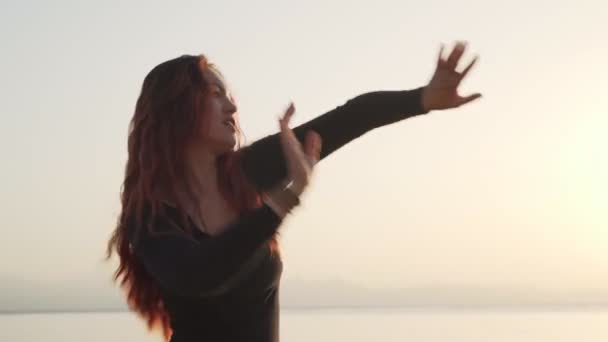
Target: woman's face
219	115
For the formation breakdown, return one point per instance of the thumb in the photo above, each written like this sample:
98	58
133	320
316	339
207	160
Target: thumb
467	99
312	146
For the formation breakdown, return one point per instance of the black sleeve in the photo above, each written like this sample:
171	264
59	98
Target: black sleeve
263	161
189	267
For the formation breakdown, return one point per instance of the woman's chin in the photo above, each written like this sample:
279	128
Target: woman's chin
227	145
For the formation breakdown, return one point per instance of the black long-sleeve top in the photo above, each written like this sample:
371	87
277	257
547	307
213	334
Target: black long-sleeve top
225	288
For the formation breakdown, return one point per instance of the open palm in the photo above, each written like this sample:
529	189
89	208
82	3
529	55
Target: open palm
442	90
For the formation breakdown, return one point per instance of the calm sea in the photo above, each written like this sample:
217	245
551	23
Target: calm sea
358	325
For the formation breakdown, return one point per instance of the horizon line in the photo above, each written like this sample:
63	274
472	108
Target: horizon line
428	307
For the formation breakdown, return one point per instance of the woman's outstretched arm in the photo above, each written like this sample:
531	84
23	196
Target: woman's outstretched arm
263	163
264	166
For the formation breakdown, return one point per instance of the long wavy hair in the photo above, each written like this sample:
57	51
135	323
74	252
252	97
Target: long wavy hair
166	119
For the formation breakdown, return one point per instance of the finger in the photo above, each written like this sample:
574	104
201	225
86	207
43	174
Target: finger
284	121
289	142
440	60
312	146
466	70
286	132
468	99
456	54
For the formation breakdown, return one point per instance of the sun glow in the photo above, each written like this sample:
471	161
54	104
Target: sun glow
584	171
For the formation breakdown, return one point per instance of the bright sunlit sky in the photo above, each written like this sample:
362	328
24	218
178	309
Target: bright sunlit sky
503	200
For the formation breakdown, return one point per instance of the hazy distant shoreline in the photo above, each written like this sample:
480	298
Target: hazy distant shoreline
416	308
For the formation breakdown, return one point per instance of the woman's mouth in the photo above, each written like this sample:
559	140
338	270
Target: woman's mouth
231	124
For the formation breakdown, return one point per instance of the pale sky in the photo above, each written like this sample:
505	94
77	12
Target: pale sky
503	200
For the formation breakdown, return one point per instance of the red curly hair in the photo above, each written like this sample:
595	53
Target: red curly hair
165	121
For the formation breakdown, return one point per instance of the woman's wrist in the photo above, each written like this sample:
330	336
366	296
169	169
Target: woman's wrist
277	208
282	198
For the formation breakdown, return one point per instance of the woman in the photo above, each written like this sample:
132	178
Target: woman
197	234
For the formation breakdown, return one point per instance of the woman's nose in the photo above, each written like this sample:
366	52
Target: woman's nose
230	106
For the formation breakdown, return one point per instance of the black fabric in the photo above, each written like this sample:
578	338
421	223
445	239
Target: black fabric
225	288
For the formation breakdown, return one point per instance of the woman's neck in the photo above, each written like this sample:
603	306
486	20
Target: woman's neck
203	170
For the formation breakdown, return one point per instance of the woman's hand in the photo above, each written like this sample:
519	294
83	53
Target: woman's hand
442	92
299	163
300	159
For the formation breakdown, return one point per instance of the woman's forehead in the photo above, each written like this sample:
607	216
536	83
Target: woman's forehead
213	77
